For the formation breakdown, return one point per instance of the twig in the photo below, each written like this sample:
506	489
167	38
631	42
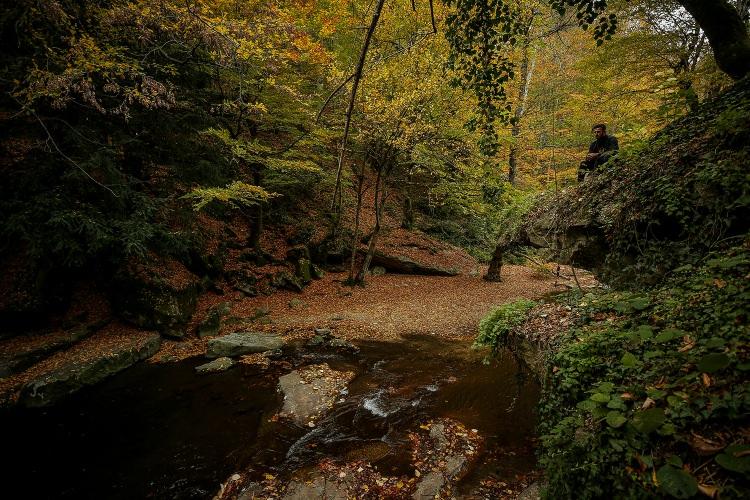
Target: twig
572	268
338	89
54	144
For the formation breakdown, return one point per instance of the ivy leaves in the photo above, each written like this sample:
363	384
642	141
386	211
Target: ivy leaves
643	374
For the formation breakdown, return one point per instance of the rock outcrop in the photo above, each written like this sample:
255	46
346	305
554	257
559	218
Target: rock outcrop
404	265
239	343
159	295
89	369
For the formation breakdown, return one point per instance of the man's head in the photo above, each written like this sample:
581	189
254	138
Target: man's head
599	130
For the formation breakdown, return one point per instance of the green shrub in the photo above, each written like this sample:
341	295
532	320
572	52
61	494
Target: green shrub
494	328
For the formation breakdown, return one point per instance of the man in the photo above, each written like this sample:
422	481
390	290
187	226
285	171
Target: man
602	149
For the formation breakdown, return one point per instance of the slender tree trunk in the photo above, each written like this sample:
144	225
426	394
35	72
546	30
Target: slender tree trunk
256	221
726	33
527	69
379	200
336	201
357	214
408	221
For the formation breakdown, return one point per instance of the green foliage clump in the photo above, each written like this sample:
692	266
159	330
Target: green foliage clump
649	394
495	327
237	195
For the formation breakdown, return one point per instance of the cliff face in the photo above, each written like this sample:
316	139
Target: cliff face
658	205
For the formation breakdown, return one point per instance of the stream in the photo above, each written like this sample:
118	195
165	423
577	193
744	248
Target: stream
163	431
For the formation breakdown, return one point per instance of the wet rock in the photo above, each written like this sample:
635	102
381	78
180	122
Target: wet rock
310	391
324	338
252	491
77	374
320	488
533	492
429	486
217	365
454	466
238	343
437	434
404	265
210	326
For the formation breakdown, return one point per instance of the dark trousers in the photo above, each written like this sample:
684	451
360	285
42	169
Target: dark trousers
585	168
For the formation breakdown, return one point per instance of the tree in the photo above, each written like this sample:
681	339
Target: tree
719	19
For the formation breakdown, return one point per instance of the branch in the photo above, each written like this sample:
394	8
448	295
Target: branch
338	89
54	144
352	100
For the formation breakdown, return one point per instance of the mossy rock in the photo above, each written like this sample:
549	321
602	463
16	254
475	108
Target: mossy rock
212	324
155	298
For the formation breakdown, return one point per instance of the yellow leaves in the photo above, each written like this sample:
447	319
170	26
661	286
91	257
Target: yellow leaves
237	195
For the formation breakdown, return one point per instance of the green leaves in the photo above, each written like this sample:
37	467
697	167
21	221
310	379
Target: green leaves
669	334
495	327
236	195
615	419
629	360
714	362
649	420
735	458
676	482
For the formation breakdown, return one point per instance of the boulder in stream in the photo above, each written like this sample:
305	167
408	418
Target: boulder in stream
217	365
319	488
238	343
311	391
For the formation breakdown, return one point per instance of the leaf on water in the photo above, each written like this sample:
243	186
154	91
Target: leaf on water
713	362
676	482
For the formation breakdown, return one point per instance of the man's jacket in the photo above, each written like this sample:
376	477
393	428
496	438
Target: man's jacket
606	146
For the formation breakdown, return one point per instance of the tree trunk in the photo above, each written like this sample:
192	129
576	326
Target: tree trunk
726	32
336	201
379	200
357	213
496	264
408	221
256	221
257	227
527	69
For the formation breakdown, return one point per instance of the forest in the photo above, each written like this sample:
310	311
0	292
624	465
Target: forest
375	248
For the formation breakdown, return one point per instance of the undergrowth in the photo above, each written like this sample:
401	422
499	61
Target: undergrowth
649	395
495	327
